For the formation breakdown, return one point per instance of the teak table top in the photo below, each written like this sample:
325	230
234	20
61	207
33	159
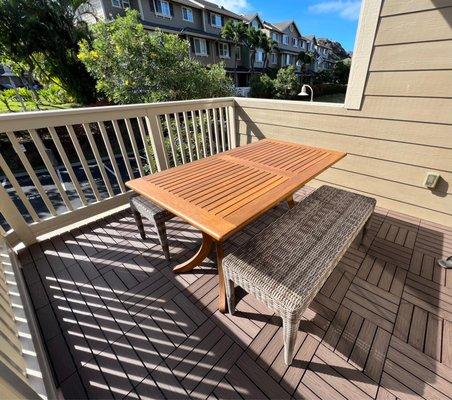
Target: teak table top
221	194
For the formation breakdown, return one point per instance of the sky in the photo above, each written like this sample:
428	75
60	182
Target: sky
334	19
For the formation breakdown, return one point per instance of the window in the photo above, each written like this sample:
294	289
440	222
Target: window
294	42
255	24
216	20
200	47
259	56
238	53
287	59
274	58
275	37
116	3
162	8
286	39
223	49
187	14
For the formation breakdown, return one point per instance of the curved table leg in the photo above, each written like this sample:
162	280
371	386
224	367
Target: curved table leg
198	258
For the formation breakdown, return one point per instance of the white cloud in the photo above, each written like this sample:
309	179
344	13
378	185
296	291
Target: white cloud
347	9
237	6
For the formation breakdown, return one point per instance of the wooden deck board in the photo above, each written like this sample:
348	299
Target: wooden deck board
117	323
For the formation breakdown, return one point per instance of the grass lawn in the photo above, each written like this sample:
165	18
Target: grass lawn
16	107
332	98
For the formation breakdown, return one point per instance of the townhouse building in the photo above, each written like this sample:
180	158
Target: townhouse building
201	21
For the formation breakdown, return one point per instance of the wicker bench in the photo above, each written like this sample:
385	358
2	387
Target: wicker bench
287	263
140	206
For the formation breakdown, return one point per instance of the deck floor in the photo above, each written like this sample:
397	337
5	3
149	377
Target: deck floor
117	323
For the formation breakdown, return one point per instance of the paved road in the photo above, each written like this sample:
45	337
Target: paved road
46	181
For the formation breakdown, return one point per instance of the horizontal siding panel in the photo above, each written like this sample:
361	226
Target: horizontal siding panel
409	109
391	7
413	57
415	27
398	131
432	158
410	83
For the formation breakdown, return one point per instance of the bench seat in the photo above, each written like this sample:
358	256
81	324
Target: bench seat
287	263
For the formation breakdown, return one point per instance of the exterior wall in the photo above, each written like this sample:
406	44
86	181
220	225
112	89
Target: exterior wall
404	127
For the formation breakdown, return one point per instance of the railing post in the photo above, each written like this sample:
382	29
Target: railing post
232	125
15	219
158	145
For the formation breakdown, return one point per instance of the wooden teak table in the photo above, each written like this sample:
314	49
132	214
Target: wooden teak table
221	194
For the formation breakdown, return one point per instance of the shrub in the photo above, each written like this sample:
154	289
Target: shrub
287	85
262	86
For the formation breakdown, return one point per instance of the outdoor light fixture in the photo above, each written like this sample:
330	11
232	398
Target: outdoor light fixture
305	93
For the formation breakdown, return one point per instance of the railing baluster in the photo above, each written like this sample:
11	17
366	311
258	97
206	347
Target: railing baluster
100	164
136	152
111	155
158	146
67	165
145	144
171	139
223	138
23	158
209	129
195	133
228	128
82	158
122	148
203	132
232	128
179	136
20	193
217	136
187	133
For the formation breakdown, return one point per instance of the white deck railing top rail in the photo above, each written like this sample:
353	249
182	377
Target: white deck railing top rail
60	167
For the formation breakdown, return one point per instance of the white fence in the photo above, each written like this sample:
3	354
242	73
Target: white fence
60	167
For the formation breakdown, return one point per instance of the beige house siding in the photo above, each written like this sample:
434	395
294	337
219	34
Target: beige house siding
404	127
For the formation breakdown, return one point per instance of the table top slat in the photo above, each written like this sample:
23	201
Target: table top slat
222	193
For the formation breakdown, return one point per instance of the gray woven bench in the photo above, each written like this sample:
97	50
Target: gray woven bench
287	263
140	206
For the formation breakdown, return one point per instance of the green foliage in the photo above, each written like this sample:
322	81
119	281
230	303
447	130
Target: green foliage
234	31
133	66
262	86
7	97
324	76
341	71
43	35
287	85
54	94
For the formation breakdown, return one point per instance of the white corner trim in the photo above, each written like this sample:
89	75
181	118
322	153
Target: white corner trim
365	38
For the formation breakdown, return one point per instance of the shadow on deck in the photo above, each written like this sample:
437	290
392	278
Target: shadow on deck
118	323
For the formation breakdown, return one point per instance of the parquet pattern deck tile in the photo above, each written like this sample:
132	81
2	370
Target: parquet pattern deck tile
117	323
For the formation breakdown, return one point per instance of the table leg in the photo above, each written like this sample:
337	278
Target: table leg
290	202
222	305
198	258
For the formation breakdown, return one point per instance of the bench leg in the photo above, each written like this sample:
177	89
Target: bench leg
161	231
138	221
230	295
290	331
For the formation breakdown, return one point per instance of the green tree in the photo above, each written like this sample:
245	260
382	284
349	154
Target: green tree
286	83
133	66
267	45
236	33
262	86
44	35
254	39
341	71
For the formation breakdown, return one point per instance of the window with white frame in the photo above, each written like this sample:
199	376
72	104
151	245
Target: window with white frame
187	14
255	24
200	47
223	49
162	8
216	20
286	39
294	42
287	59
238	53
275	37
274	58
259	56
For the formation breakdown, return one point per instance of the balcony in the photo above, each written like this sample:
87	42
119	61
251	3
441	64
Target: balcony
108	317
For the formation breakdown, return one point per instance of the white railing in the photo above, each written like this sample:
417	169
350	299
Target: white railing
60	167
